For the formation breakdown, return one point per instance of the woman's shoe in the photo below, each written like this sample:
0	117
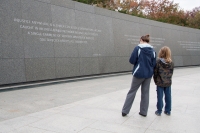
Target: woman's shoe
142	115
123	114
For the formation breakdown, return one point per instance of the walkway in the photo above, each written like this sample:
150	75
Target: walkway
94	106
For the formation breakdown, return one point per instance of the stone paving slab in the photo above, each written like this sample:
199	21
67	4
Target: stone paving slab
102	113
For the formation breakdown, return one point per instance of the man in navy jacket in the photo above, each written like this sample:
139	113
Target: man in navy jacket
144	60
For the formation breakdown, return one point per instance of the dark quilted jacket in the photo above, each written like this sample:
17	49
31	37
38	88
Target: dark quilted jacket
163	73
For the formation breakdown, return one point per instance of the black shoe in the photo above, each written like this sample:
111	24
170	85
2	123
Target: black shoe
142	115
157	113
123	114
167	113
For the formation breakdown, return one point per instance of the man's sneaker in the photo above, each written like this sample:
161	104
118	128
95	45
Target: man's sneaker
157	113
167	113
123	114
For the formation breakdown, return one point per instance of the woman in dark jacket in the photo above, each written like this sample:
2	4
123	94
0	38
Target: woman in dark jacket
144	60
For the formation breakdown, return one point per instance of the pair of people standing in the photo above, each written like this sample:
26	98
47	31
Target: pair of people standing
145	64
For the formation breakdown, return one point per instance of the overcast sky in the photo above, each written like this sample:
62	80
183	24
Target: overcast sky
188	4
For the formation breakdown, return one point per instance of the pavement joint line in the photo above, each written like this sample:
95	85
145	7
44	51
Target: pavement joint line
126	120
150	124
88	126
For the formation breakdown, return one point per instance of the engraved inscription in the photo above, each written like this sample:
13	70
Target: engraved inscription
50	32
190	46
155	42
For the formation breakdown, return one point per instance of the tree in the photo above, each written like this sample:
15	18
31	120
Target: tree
159	10
194	18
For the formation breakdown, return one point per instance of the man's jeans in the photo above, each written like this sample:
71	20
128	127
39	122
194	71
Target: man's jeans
167	92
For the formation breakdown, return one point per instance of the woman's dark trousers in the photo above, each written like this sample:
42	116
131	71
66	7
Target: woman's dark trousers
144	103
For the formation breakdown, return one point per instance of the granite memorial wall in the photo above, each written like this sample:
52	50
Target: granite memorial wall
52	39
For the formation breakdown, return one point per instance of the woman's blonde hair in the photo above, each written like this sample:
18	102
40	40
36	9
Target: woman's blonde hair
165	53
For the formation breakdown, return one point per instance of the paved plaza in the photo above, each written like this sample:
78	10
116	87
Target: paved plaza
94	106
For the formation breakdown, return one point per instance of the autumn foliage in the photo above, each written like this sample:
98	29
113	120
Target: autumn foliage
160	10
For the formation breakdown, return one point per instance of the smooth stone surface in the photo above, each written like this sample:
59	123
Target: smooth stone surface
67	67
64	3
107	64
89	66
11	71
40	68
84	7
75	39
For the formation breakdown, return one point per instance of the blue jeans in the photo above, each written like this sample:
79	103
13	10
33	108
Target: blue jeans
167	92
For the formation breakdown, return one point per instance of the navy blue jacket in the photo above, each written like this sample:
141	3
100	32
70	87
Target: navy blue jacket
144	60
